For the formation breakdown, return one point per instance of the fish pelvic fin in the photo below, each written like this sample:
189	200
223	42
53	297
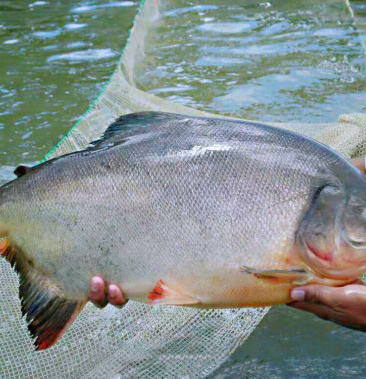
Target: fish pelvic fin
295	276
47	311
163	295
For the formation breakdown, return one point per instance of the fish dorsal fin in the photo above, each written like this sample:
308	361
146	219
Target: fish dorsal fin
48	313
129	126
135	126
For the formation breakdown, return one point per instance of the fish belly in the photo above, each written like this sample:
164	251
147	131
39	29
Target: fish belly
219	290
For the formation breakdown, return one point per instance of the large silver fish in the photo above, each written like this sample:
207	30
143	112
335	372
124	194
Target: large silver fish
182	210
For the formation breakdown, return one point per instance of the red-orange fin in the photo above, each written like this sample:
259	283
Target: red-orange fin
4	245
47	311
163	295
48	315
296	276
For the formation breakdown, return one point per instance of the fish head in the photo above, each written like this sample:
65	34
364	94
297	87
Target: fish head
332	235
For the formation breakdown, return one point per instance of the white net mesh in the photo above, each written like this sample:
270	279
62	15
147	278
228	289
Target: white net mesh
140	341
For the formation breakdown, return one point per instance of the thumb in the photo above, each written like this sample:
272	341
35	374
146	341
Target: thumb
315	294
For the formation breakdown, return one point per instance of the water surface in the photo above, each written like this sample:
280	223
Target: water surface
55	58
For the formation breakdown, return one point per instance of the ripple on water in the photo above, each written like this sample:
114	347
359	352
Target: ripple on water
276	28
76	44
90	8
47	34
10	41
82	56
178	88
278	48
332	33
74	26
220	61
228	27
281	88
195	8
38	3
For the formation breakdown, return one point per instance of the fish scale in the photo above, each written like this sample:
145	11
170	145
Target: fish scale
180	210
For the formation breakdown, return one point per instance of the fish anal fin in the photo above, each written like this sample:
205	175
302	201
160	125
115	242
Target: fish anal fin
48	312
163	295
294	276
48	333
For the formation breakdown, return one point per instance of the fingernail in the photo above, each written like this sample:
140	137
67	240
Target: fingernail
113	291
94	286
298	294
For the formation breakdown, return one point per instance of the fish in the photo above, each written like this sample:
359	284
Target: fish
183	211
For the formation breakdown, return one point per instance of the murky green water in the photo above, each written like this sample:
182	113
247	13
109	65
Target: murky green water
55	56
281	61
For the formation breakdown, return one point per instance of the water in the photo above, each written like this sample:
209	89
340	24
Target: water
292	344
55	58
269	61
278	61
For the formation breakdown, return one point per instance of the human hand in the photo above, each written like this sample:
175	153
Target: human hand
100	297
342	305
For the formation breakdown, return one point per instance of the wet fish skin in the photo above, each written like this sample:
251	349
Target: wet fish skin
172	208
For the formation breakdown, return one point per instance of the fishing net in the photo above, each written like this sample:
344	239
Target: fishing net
140	341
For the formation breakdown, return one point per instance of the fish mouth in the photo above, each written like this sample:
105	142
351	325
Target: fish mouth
323	256
330	265
319	262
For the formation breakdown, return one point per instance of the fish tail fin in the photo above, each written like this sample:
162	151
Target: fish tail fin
47	311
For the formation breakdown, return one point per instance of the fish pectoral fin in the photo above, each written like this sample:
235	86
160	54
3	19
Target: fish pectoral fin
48	313
295	276
163	295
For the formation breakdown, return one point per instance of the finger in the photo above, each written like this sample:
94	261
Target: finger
343	305
97	292
315	294
115	296
330	314
321	311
